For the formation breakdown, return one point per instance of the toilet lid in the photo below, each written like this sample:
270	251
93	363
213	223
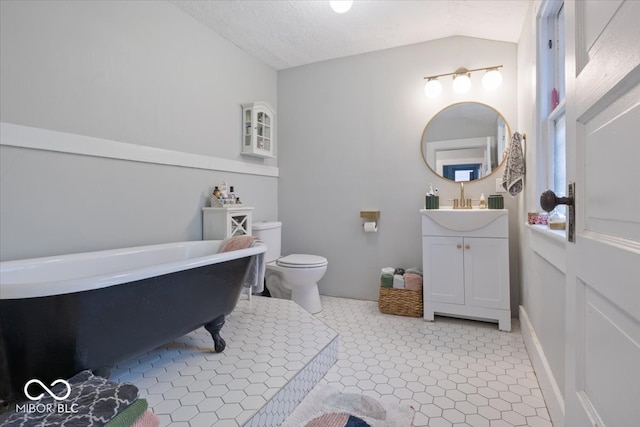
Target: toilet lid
302	260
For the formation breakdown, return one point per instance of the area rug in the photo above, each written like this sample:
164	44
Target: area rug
326	406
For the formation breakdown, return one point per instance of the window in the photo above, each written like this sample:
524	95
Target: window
552	99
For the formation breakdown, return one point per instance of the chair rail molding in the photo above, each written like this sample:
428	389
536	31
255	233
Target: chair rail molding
44	139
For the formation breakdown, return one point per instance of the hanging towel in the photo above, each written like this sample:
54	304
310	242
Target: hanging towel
254	276
513	178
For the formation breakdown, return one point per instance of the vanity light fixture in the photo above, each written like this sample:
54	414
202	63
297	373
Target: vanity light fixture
433	87
462	80
492	79
341	6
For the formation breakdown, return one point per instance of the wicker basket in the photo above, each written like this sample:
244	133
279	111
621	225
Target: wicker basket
402	302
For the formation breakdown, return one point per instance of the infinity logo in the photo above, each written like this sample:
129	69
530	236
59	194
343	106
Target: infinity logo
47	389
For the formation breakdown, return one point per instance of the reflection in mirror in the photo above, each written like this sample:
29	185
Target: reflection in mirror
465	141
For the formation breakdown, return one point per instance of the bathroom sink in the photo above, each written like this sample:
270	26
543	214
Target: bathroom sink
463	219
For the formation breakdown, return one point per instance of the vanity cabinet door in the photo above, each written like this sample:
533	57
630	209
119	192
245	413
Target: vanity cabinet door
442	269
486	272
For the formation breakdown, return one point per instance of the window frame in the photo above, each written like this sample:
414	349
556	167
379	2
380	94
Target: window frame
549	72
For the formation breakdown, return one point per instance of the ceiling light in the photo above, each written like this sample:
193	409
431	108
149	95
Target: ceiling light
433	87
341	6
462	80
492	79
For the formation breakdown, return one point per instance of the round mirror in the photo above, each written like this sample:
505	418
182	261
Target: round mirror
465	141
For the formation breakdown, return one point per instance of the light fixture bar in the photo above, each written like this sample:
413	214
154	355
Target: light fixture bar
495	67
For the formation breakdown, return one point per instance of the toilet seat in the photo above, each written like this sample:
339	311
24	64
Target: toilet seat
302	261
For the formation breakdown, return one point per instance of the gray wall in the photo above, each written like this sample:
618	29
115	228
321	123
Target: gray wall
349	140
139	72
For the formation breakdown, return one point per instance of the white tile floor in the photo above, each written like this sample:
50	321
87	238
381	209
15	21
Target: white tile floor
276	352
453	372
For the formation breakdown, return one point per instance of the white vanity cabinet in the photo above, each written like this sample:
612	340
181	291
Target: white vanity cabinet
465	257
258	130
221	223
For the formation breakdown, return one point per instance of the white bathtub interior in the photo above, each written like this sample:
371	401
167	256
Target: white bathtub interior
93	270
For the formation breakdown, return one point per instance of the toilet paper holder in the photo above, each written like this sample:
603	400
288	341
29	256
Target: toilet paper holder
371	216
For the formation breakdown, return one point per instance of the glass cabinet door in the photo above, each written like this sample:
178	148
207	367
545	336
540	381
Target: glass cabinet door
259	137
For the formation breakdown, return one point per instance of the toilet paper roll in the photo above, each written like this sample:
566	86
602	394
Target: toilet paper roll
370	227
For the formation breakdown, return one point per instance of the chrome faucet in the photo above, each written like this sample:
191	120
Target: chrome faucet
462	203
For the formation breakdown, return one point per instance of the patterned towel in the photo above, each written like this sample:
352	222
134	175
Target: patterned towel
513	178
96	400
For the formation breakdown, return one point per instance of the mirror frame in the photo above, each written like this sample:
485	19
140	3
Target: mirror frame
422	143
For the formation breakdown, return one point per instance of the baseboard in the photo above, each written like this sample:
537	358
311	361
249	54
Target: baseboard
548	385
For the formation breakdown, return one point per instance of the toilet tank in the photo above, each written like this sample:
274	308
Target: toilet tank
270	233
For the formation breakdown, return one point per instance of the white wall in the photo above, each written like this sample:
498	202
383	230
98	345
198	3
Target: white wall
349	140
543	283
138	72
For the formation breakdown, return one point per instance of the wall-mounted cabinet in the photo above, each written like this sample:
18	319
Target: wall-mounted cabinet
466	272
258	130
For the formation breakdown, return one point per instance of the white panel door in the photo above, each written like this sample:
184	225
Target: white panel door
603	265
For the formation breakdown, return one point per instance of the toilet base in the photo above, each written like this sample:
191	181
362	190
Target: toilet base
307	297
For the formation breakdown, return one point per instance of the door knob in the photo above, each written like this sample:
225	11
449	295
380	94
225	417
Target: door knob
549	200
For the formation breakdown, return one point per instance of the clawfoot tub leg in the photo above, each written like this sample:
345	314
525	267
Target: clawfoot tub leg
214	328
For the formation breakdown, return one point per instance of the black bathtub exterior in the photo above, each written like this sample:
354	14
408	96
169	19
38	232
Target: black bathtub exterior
58	336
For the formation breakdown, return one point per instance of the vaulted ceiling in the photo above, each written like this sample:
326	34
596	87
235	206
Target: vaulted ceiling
285	34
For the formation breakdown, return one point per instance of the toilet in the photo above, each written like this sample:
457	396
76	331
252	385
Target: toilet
293	276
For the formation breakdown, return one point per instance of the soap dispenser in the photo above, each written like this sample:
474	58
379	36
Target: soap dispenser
483	202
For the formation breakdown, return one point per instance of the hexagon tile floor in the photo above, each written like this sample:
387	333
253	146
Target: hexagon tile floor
455	373
276	352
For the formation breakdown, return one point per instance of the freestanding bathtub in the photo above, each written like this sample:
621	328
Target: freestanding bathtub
64	314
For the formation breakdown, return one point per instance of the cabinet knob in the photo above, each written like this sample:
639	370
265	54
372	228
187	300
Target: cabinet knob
459	246
467	246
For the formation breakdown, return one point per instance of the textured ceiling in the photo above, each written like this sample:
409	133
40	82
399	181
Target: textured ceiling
286	34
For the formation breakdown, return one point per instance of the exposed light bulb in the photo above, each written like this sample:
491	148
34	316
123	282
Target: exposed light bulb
341	6
461	83
492	79
433	88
